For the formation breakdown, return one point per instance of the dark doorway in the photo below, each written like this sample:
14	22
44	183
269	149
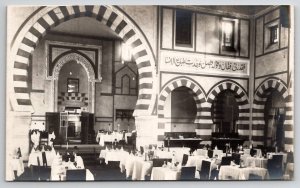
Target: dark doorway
274	119
183	110
225	112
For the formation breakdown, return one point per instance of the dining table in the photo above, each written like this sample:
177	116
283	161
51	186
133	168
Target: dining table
114	155
137	167
235	172
59	170
115	136
15	164
165	173
255	161
174	153
202	152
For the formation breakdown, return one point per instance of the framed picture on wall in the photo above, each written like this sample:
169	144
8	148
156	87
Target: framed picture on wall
73	85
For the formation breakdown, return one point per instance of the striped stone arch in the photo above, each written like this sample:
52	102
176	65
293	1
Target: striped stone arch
196	91
261	95
241	99
45	18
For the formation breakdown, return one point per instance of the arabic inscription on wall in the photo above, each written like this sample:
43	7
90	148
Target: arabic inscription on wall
171	61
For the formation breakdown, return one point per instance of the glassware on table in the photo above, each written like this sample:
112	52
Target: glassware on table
165	164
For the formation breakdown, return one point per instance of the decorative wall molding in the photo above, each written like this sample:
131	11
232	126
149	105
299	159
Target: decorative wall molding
79	59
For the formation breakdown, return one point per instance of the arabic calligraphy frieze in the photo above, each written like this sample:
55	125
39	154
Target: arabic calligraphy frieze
203	64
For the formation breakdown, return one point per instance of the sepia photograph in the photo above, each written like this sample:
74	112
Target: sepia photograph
149	93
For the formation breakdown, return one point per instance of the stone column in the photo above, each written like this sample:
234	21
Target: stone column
91	96
17	132
147	130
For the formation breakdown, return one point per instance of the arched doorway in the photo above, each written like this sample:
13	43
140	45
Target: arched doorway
45	18
181	110
274	114
188	95
229	113
225	112
273	105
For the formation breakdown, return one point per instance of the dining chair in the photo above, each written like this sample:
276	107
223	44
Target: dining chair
205	170
188	173
129	140
226	161
236	158
44	173
76	175
210	153
113	164
160	162
253	152
184	159
275	168
35	172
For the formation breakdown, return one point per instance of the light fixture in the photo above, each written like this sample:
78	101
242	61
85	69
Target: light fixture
71	73
126	53
228	28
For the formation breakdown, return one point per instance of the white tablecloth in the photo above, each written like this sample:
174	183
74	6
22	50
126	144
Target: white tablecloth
137	167
176	154
195	161
110	138
218	152
161	173
258	161
202	152
114	155
14	164
59	169
236	173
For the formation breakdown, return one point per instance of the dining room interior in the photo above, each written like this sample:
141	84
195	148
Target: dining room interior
150	93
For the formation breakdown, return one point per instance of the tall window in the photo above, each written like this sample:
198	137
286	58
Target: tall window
228	34
274	34
183	27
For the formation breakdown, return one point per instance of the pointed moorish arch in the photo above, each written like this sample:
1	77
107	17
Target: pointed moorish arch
196	90
260	97
41	21
241	98
87	65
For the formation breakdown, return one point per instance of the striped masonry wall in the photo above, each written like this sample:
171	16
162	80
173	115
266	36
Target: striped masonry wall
204	117
198	96
244	109
261	95
48	17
